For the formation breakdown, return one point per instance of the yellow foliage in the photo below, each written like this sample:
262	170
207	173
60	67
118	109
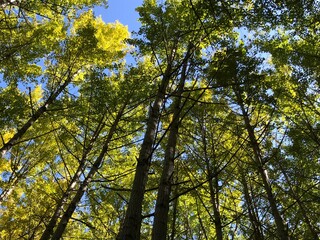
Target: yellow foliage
4	166
97	41
37	93
110	36
286	69
6	136
79	76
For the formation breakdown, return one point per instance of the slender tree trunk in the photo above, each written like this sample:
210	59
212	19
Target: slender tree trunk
281	229
159	231
18	135
203	230
302	208
84	185
37	114
130	228
213	186
8	190
257	233
212	177
62	202
214	194
71	187
174	215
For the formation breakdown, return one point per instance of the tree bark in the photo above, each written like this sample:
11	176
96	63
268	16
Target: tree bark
6	192
214	194
174	215
212	175
130	228
160	223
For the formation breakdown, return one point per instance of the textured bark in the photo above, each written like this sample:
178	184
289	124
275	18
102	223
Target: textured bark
59	208
174	216
7	192
131	225
84	185
214	194
160	223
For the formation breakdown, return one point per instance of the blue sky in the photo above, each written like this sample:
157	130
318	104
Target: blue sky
121	10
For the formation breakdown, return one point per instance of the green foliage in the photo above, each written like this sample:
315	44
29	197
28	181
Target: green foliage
252	88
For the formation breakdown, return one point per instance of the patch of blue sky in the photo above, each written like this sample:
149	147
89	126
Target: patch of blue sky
124	12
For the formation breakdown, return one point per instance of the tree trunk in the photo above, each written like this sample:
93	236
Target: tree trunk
214	194
84	185
281	229
212	176
159	231
174	215
71	187
130	228
6	192
59	208
257	233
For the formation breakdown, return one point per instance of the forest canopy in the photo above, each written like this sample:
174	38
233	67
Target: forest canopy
212	131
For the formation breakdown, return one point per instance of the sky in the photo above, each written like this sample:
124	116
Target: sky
121	10
124	12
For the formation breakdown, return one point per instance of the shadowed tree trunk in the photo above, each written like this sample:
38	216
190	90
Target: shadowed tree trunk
214	195
72	185
256	225
130	228
160	224
212	177
84	185
260	165
174	213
